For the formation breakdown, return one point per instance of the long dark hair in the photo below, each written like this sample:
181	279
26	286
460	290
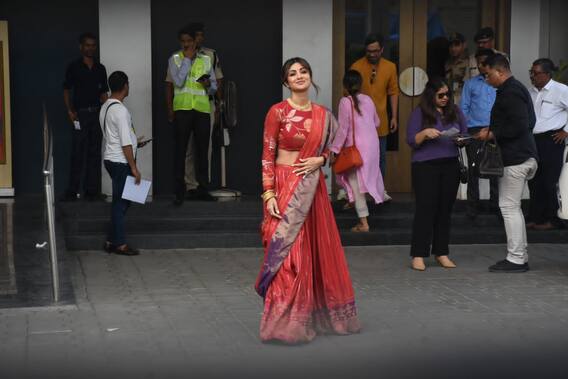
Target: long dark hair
286	68
352	83
428	104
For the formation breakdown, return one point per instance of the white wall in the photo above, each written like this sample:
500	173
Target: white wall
307	32
125	44
525	37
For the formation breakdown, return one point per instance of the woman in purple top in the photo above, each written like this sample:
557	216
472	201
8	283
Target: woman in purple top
359	110
435	172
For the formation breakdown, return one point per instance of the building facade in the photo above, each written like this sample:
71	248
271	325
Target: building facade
253	38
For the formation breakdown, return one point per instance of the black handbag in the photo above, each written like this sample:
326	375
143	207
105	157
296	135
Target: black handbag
489	161
463	168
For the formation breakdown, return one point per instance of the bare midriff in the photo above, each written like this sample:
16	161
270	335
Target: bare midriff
286	157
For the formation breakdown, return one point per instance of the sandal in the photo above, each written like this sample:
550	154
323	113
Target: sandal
360	229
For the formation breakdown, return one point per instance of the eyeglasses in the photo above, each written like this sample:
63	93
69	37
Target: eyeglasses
373	75
535	73
442	95
373	51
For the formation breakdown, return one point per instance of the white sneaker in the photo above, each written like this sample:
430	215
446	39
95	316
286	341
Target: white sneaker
386	197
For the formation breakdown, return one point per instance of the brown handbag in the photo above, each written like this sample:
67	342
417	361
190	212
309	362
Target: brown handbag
349	156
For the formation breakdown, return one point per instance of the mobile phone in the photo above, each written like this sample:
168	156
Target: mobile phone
144	143
203	77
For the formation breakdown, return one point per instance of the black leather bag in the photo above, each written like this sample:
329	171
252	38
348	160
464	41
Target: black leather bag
463	168
489	161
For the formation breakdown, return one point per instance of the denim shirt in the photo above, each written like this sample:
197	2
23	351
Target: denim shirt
476	102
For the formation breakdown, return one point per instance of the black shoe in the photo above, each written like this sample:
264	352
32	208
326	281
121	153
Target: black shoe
191	194
69	196
507	266
205	196
95	197
178	201
127	250
108	247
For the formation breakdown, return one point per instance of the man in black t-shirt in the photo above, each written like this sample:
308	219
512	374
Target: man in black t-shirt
512	122
84	90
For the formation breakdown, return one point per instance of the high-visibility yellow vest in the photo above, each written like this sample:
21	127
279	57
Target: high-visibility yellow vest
192	96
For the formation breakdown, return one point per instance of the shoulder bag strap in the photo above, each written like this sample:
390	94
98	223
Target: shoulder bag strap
104	118
352	119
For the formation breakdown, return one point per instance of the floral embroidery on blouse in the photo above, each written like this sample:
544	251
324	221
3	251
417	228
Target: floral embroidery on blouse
285	128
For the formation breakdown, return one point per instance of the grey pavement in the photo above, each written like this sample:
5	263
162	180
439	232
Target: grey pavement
194	314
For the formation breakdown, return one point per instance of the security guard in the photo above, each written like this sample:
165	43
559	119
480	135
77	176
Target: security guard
190	179
194	81
457	66
484	39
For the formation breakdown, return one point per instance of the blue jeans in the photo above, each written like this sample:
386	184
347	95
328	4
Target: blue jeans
118	173
383	155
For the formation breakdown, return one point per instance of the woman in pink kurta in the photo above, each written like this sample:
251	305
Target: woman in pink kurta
366	178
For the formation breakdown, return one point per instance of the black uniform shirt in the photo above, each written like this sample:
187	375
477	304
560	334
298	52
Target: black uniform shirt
87	84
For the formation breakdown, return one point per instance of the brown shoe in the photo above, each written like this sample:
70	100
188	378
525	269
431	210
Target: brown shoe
360	229
348	206
445	262
126	250
545	226
418	264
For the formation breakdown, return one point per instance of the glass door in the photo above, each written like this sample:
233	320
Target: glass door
416	36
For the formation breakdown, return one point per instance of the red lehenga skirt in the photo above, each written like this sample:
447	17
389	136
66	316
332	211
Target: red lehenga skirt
312	291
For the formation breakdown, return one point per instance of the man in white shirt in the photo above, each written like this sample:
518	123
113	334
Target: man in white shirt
550	99
120	144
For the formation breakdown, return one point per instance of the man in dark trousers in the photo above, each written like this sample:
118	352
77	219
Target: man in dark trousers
193	81
512	122
84	90
550	100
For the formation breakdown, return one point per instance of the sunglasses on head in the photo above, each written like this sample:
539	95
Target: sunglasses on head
373	75
442	95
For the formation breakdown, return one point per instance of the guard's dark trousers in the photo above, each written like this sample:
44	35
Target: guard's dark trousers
86	155
186	123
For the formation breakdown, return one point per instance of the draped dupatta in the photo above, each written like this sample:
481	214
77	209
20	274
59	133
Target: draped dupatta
294	201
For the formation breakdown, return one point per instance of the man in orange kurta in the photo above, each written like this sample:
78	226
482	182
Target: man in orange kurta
380	81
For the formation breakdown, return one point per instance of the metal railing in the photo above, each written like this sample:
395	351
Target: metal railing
50	204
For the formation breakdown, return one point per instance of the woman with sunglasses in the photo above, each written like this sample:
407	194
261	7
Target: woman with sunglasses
435	172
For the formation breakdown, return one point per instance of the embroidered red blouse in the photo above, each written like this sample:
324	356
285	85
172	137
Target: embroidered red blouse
286	128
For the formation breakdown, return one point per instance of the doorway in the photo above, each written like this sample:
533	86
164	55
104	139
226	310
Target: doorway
415	33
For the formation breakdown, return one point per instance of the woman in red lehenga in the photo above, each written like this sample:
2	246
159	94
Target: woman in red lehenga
304	278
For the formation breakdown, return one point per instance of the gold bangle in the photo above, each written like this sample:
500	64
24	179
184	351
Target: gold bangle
267	192
272	196
267	195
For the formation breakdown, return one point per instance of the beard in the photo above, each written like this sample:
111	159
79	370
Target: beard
373	60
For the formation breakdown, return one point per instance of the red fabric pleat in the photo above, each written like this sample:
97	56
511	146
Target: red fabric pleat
312	292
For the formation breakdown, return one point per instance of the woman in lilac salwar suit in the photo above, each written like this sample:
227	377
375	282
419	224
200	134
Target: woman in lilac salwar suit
358	110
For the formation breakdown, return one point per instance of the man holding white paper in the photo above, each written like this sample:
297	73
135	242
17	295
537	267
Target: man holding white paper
120	144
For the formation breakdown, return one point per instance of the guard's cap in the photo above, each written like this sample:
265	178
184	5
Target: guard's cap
484	33
456	37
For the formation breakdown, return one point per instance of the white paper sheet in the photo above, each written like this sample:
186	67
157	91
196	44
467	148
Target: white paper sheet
452	132
137	193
